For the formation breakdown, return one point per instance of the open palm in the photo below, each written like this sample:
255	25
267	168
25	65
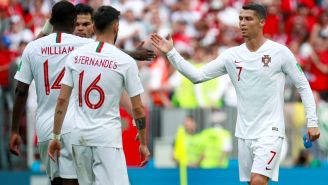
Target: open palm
160	43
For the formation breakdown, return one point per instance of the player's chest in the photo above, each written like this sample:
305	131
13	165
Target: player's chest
259	67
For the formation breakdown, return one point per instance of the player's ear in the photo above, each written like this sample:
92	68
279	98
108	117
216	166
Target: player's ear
262	22
116	27
94	28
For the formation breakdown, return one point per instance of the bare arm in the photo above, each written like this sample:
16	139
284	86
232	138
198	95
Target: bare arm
126	103
140	119
61	107
60	112
21	94
141	53
139	114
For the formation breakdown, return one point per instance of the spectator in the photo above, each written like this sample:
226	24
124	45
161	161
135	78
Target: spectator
217	144
187	144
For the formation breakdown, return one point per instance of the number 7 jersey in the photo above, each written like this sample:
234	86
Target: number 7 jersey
98	73
44	61
259	80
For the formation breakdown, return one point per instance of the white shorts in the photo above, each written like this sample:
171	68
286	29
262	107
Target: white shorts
100	165
261	156
63	167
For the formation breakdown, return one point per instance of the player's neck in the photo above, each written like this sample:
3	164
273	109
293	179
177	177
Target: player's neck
62	29
253	44
105	38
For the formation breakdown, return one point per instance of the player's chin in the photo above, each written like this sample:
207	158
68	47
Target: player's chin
81	34
244	35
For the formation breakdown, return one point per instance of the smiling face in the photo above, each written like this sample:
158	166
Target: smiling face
84	26
250	24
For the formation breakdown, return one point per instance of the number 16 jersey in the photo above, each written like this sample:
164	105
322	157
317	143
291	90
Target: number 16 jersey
98	73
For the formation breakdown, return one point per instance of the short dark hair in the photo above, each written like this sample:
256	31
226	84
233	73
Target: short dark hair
258	8
63	14
104	17
84	9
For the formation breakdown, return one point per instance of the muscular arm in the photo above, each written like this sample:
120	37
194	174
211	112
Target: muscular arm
141	54
21	94
139	114
61	107
126	103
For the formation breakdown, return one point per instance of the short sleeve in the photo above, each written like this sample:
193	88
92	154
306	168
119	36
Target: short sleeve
24	71
68	77
132	80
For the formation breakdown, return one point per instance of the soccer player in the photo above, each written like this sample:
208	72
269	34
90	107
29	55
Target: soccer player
95	77
44	61
258	69
85	28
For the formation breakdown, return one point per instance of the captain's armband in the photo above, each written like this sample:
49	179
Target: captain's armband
140	123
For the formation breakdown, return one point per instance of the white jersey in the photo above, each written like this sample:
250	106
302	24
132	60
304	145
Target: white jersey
259	80
44	61
98	73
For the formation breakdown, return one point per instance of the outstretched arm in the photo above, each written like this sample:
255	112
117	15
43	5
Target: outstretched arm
209	71
21	94
141	53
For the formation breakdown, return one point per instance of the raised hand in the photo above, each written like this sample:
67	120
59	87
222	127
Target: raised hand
163	45
14	143
54	149
144	154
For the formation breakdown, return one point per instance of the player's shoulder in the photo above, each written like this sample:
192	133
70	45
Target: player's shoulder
276	45
88	47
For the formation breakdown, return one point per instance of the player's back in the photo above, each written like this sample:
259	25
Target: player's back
100	72
44	60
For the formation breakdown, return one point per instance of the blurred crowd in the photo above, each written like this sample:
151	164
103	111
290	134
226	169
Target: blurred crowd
201	30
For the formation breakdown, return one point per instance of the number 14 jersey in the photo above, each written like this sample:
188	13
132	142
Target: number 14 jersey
44	61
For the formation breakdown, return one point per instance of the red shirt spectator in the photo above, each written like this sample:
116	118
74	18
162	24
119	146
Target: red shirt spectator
318	80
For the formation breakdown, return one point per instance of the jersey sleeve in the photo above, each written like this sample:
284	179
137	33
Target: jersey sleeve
24	71
209	71
292	69
68	77
132	80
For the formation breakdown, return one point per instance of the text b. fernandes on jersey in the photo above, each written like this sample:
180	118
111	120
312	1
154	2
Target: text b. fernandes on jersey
93	61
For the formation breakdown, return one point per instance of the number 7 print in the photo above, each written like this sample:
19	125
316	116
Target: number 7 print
239	68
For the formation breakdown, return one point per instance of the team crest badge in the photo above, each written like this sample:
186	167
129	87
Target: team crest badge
266	59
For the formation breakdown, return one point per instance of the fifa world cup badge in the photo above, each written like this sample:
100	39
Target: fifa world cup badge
266	59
